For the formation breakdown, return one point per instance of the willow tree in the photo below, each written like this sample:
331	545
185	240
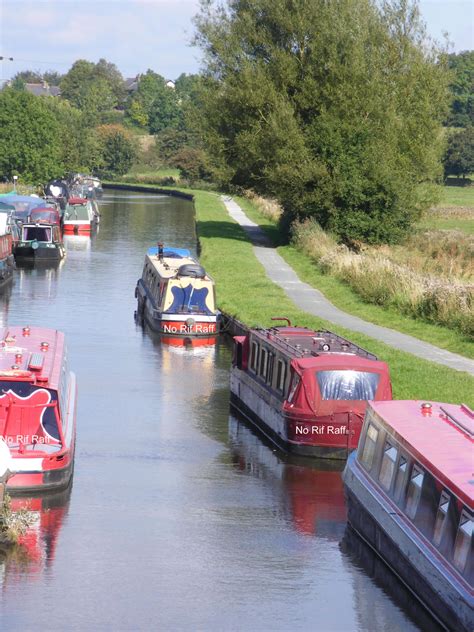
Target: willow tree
333	106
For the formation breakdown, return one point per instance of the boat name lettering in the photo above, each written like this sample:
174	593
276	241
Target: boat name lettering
334	430
26	439
198	328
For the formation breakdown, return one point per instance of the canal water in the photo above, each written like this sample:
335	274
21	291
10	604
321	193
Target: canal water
180	517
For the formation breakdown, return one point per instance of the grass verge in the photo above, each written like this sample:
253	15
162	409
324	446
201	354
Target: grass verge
245	291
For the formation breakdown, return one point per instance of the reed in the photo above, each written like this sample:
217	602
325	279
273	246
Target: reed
379	278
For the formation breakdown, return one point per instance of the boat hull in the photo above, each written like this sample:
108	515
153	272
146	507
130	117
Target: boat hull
77	229
40	254
391	536
193	324
6	270
26	482
312	437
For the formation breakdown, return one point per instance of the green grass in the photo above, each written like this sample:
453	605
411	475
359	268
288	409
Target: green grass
245	291
445	223
457	196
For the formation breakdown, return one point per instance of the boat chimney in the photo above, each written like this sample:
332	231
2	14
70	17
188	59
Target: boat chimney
160	251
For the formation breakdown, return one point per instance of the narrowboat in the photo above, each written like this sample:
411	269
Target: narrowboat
7	262
40	241
175	296
410	496
306	390
37	408
81	216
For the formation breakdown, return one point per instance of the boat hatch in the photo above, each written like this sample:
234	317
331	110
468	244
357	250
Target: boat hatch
36	361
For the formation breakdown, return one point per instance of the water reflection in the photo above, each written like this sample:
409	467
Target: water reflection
312	493
36	549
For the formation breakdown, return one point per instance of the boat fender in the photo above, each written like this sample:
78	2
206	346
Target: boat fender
192	270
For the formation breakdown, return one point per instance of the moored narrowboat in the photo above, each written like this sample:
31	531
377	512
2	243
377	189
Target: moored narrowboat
410	495
306	390
80	216
40	241
37	408
175	295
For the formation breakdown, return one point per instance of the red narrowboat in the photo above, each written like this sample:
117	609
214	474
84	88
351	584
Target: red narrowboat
306	390
81	216
37	408
410	495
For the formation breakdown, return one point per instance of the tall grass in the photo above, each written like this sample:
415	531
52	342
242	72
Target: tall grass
381	280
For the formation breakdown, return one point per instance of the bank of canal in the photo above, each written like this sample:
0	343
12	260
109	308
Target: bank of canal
180	518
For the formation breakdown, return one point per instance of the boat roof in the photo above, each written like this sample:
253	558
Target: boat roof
440	437
170	252
77	200
168	267
41	352
298	342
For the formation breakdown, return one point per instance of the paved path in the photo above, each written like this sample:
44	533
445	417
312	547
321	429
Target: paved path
312	301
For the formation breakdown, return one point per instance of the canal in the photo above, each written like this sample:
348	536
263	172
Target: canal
180	517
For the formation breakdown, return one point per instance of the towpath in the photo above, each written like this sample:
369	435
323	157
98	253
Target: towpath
314	302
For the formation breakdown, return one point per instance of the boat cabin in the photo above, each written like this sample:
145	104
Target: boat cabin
420	455
45	215
320	381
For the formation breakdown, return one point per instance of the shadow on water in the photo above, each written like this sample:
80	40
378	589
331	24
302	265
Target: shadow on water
361	555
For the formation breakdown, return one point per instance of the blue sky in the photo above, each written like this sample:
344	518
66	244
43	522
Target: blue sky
141	34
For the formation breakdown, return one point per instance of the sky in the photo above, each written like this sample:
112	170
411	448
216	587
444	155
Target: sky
140	34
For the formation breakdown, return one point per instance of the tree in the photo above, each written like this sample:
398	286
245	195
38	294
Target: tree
459	156
118	151
154	106
30	137
462	89
332	107
192	164
93	88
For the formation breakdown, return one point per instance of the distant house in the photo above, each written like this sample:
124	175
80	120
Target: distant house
43	89
131	85
170	84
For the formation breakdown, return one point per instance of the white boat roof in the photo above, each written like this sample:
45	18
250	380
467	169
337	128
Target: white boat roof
168	267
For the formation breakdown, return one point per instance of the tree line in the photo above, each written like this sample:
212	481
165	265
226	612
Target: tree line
334	108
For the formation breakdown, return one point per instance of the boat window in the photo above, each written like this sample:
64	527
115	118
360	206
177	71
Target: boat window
370	444
254	357
281	375
40	233
387	468
400	479
295	380
345	385
414	491
462	546
441	516
271	359
263	362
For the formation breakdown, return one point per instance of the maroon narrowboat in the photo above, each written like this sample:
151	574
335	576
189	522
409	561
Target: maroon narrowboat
410	496
306	390
37	408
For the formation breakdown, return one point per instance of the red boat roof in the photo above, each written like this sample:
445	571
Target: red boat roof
304	342
440	437
31	354
77	200
339	362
